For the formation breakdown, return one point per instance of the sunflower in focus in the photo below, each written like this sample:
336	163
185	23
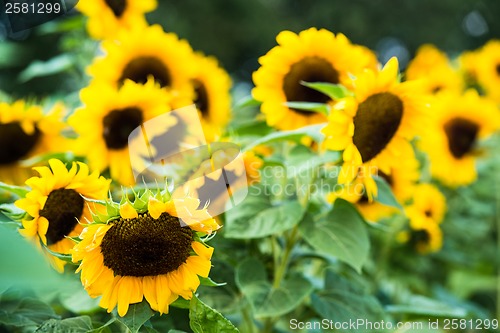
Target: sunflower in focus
373	128
107	119
211	87
147	53
488	69
433	67
459	123
25	131
148	249
107	17
311	56
56	204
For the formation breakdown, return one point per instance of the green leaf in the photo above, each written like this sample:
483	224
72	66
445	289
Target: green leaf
334	91
310	106
422	307
12	211
204	319
52	66
17	190
341	233
80	324
22	312
180	303
257	218
312	131
265	300
136	316
207	281
385	195
345	299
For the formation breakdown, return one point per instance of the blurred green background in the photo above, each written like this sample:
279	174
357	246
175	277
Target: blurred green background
237	32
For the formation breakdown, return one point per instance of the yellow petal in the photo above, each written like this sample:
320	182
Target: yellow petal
127	211
156	207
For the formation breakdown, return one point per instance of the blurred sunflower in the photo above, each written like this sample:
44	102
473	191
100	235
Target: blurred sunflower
488	69
374	127
311	56
107	17
459	123
56	204
433	67
25	131
145	249
107	119
425	239
211	86
144	53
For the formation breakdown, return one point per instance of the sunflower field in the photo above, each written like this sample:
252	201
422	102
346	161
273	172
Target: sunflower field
315	184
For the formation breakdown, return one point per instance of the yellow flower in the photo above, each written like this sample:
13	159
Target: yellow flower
106	18
488	69
147	249
56	204
312	56
429	206
433	67
25	131
147	53
425	239
211	85
107	119
459	123
374	127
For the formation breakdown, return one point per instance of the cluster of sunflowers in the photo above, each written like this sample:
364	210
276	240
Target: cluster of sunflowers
395	141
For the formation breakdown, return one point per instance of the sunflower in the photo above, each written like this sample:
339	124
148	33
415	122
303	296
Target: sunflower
107	17
25	131
144	53
374	127
107	119
488	69
57	202
428	206
433	67
311	56
459	123
425	239
148	249
211	85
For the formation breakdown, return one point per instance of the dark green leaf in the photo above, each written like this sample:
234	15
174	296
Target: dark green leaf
342	233
80	324
203	319
136	316
265	300
21	312
180	303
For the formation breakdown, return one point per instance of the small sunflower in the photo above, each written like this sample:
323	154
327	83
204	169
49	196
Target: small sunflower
107	17
374	127
311	56
428	206
488	69
433	67
147	249
144	53
459	123
425	239
211	86
107	119
25	131
56	204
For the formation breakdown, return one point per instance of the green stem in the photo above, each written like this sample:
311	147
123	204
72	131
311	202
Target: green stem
248	319
281	269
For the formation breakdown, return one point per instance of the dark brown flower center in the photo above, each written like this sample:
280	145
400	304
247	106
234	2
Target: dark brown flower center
140	69
118	124
461	134
309	69
201	100
497	68
419	238
15	143
145	246
117	6
375	123
62	209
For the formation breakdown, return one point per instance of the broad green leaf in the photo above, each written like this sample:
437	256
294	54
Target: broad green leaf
204	319
181	303
265	300
263	220
341	233
175	331
334	91
75	299
12	211
19	311
80	324
52	66
136	316
385	195
312	131
345	299
17	190
310	106
422	307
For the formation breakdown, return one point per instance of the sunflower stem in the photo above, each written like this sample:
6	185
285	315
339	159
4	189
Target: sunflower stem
248	319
